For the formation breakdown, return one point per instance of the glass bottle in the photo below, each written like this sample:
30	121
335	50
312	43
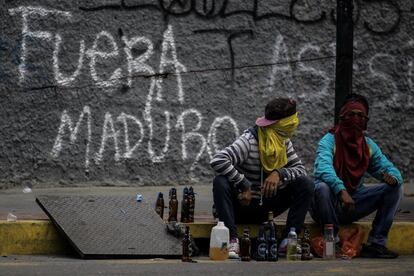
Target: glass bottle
292	245
159	205
306	245
184	206
272	245
261	245
173	205
186	245
191	204
245	246
329	242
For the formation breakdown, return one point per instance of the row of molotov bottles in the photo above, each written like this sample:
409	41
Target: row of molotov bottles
265	247
187	205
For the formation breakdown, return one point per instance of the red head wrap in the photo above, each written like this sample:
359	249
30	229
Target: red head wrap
351	158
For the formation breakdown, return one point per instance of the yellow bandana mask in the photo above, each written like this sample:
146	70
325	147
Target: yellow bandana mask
272	147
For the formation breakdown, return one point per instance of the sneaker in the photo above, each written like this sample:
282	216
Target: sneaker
377	251
281	251
234	249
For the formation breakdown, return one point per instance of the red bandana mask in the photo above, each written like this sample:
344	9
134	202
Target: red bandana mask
351	158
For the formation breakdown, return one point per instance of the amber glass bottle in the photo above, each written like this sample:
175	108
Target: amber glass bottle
245	246
173	205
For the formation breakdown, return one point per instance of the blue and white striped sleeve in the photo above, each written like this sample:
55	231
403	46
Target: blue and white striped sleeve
225	161
294	167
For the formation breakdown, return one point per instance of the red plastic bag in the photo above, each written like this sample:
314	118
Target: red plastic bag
317	245
351	238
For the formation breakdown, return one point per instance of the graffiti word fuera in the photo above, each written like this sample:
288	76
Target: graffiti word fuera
135	65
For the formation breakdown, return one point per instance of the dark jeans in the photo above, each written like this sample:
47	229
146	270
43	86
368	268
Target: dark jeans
297	196
383	198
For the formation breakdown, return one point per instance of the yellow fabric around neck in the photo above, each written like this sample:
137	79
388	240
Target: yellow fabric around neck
272	147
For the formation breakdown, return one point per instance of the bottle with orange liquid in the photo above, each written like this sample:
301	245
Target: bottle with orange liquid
219	242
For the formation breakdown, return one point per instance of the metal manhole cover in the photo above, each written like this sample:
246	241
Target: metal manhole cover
110	226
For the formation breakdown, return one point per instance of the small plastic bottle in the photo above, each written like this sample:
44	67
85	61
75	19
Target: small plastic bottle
292	245
329	242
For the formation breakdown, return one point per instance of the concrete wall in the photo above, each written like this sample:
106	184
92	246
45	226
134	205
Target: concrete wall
144	92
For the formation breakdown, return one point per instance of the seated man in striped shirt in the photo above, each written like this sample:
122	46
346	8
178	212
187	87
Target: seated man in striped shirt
261	172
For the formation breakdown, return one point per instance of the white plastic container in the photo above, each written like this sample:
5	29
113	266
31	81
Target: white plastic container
219	242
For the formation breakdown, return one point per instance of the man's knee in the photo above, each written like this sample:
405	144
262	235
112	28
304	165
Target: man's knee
395	191
306	185
221	185
323	191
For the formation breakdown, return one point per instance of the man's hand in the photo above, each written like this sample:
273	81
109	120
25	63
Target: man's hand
245	197
270	184
389	179
348	202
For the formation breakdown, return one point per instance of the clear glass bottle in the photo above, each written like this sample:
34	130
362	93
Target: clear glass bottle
292	245
329	242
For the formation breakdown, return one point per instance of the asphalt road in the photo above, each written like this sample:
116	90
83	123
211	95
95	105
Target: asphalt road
63	265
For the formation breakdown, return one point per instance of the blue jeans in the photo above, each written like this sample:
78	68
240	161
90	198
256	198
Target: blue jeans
385	199
296	197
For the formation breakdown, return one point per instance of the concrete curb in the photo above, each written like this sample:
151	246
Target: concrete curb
40	237
31	237
400	238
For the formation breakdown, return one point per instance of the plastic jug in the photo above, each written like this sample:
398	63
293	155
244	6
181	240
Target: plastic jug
219	242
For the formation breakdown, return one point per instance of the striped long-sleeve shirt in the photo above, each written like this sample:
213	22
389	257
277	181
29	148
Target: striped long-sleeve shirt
240	163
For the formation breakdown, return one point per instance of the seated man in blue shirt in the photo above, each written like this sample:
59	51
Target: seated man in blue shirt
343	156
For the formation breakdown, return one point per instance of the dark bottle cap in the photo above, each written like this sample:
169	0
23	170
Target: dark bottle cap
173	193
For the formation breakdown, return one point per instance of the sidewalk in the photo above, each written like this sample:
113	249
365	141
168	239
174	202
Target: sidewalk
33	233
